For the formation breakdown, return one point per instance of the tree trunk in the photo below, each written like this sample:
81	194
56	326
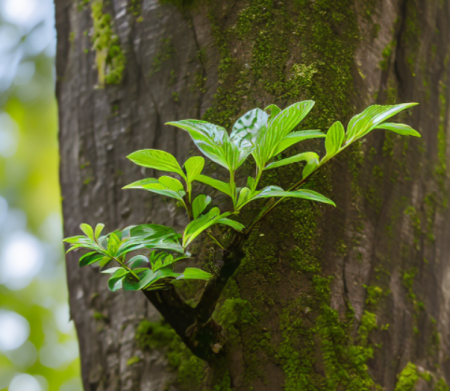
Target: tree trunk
351	298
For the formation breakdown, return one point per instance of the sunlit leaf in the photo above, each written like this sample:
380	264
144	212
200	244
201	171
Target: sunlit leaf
199	205
218	185
87	229
197	226
273	110
159	160
267	145
194	167
335	138
231	223
160	187
246	129
171	183
404	130
213	141
296	137
276	191
159	260
371	118
111	270
193	273
98	230
305	156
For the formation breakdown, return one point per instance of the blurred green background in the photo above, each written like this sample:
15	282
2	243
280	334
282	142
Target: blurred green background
38	346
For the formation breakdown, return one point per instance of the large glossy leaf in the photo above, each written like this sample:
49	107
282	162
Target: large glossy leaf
213	141
335	138
371	118
218	185
199	205
305	156
404	130
296	137
246	129
290	117
159	160
267	144
153	236
161	187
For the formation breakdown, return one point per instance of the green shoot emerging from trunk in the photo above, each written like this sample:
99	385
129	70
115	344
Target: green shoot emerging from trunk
145	254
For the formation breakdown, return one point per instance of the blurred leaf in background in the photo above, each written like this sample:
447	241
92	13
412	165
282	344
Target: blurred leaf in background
38	346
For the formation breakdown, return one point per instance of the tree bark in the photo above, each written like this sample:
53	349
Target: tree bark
351	298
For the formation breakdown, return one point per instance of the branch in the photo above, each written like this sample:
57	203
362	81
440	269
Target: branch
194	325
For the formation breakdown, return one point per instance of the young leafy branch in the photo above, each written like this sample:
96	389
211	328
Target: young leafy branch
146	254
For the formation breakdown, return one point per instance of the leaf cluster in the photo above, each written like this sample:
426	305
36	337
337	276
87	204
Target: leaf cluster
262	134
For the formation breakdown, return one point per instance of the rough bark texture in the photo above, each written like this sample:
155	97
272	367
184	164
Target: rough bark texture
346	299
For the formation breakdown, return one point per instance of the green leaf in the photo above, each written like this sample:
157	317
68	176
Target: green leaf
267	144
218	185
113	244
275	191
244	195
87	229
335	138
159	160
98	230
160	187
137	260
213	141
79	239
197	226
159	279
152	236
199	205
90	258
115	285
310	167
193	273
290	117
274	110
305	156
231	223
160	260
194	167
111	270
371	118
404	130
171	183
117	276
246	129
296	137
